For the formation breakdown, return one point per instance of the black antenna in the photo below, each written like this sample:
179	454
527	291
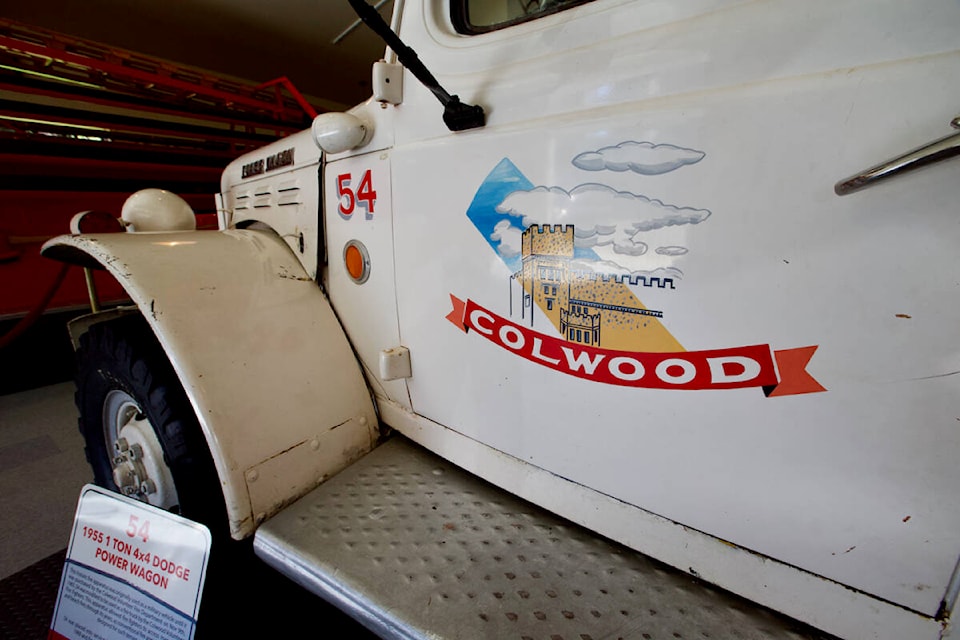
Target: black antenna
457	115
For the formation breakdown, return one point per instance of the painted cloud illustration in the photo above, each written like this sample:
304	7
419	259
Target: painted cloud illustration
601	215
672	251
644	158
508	239
616	232
608	267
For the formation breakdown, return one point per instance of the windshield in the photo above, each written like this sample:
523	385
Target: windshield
480	16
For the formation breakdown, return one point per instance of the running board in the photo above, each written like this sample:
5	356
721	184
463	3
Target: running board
413	547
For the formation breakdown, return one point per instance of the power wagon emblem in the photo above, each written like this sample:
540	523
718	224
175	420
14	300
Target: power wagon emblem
582	279
258	167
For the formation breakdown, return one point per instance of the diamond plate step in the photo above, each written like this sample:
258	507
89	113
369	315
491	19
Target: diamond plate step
414	547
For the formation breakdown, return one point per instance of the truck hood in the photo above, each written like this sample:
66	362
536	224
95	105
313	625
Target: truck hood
285	154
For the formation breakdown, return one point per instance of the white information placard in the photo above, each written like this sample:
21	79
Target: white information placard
132	571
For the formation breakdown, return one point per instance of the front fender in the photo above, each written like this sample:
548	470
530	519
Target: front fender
275	385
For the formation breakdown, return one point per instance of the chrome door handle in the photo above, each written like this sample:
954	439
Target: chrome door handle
942	149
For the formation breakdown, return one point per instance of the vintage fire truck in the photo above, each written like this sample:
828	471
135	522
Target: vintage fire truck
651	270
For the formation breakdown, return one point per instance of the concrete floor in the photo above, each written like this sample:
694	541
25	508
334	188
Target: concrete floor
42	469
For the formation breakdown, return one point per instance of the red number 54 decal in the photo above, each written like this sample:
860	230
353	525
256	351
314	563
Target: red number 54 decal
364	197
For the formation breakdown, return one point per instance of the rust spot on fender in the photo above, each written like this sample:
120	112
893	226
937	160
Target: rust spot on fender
284	273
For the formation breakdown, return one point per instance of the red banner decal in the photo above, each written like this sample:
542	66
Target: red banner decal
750	366
733	368
456	316
794	378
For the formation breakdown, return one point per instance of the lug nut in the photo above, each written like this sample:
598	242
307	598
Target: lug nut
124	477
136	452
147	487
121	445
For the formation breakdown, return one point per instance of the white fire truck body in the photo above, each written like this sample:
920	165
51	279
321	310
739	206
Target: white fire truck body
634	297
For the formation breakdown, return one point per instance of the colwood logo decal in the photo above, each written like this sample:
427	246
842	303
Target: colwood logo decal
578	257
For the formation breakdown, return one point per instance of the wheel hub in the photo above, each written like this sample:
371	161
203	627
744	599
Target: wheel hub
139	470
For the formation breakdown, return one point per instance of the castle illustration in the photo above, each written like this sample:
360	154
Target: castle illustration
587	308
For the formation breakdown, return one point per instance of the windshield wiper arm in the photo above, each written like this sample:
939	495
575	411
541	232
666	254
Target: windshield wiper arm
458	116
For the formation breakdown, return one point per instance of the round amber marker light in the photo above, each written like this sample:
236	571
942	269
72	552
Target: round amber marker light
357	261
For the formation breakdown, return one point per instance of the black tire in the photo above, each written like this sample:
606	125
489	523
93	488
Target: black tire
124	356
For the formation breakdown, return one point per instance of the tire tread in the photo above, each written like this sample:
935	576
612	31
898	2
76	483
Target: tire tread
124	354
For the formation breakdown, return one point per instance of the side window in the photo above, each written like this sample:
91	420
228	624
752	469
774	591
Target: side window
480	16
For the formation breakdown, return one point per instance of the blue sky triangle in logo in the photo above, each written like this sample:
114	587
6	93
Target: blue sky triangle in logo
499	183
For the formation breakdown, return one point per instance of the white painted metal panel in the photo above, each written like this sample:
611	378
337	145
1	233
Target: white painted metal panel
764	107
259	352
358	208
279	186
